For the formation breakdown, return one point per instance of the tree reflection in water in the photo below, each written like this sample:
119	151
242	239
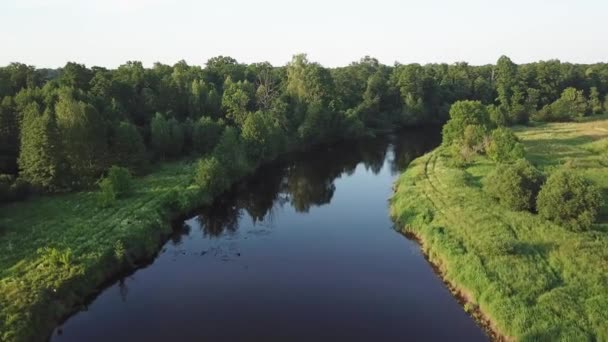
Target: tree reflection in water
306	179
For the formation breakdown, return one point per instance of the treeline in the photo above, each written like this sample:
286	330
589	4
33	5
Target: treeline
62	129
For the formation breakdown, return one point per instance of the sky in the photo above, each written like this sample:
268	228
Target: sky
49	33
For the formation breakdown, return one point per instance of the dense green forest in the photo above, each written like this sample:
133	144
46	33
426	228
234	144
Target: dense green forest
188	133
61	130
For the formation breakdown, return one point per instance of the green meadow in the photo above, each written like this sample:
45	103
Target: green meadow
529	278
85	244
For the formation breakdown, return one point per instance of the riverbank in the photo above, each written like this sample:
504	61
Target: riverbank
527	278
57	250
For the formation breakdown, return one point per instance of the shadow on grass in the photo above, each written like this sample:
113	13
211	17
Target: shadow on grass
530	249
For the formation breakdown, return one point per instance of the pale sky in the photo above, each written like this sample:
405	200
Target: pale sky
48	33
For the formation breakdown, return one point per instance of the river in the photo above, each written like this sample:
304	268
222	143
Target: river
302	250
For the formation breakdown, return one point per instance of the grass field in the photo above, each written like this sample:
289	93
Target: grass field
531	279
85	245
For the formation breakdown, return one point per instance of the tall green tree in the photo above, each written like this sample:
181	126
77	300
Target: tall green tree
160	135
9	136
84	138
127	148
40	161
237	100
595	105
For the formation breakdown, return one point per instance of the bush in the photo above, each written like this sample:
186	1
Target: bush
504	146
475	137
463	114
572	104
210	175
116	184
515	186
569	200
12	189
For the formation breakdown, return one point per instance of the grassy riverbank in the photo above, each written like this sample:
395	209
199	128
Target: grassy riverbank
532	279
85	245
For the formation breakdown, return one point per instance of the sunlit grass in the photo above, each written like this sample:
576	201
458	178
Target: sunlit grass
534	279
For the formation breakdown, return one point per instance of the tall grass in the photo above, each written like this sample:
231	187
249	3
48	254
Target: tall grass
533	279
84	242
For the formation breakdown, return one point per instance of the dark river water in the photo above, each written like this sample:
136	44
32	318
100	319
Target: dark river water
303	250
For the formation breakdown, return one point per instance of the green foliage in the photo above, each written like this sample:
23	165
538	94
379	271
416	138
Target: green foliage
205	134
83	136
595	105
569	200
536	280
160	135
12	189
9	136
475	137
516	185
120	252
210	175
230	152
572	104
463	114
128	149
40	161
237	100
167	136
115	185
262	136
504	146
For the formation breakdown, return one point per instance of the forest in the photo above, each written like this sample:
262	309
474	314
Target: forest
62	129
96	163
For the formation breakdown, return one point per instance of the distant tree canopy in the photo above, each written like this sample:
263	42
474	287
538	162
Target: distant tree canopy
63	129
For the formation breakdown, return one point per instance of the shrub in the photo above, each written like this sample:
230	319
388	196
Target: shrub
463	114
571	104
515	186
475	137
504	146
210	175
116	184
569	199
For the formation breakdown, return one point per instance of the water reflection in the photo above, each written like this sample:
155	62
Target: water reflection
307	179
271	260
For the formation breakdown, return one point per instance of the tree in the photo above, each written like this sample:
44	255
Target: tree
516	186
127	147
160	135
9	137
595	105
176	138
262	136
505	146
40	161
210	175
506	81
571	104
205	134
309	82
237	100
230	152
569	200
83	136
463	114
76	76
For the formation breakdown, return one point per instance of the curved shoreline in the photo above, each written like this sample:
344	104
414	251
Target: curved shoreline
524	277
460	294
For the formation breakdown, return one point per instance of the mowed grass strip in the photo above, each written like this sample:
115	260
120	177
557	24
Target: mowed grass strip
533	279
